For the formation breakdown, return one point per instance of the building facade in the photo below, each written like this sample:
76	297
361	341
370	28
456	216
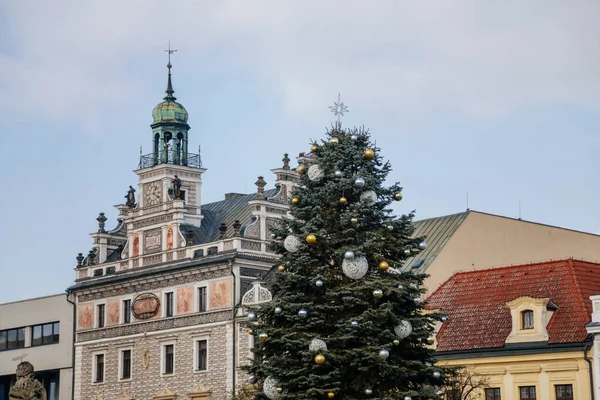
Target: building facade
594	329
160	298
522	329
39	331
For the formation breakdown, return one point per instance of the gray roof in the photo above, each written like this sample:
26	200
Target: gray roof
436	231
225	211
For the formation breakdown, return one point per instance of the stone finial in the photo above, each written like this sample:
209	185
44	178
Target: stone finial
91	258
261	183
236	227
79	259
222	230
286	161
101	221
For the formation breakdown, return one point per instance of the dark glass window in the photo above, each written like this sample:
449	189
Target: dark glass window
564	392
126	311
492	394
3	335
527	393
202	363
99	361
527	319
169	358
45	334
202	298
100	316
36	335
126	364
169	304
12	339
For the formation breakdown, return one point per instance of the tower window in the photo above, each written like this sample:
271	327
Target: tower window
527	319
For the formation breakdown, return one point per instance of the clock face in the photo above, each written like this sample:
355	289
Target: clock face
153	193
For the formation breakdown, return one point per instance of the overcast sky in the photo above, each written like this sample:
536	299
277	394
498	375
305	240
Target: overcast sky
498	98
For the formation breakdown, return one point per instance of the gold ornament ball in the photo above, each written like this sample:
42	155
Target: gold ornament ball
295	200
384	266
354	220
320	359
281	268
343	200
250	332
330	395
398	196
263	336
311	239
300	169
314	148
334	140
369	154
430	341
279	390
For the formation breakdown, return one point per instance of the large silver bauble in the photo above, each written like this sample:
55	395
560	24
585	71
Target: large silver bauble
349	255
317	345
369	197
423	245
403	330
384	353
355	268
291	243
390	227
338	174
251	379
270	388
407	398
319	283
315	173
251	316
368	392
436	374
359	182
278	310
302	313
334	140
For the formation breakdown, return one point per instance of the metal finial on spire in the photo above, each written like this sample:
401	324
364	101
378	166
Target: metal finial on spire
170	90
339	108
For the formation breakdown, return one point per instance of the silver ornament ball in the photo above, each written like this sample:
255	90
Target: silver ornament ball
349	255
368	392
407	252
354	323
319	283
354	137
338	174
417	300
390	227
251	378
400	286
359	182
384	353
396	342
436	374
278	310
407	398
273	235
302	313
422	245
251	316
377	293
334	140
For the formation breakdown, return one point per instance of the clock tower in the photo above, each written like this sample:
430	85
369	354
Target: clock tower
169	185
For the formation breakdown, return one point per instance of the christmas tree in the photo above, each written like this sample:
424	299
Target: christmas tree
344	322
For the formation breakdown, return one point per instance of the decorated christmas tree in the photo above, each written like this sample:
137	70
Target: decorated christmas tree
345	322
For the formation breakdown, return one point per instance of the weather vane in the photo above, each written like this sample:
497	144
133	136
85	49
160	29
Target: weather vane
339	108
170	52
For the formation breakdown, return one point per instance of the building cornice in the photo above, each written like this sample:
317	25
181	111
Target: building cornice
511	350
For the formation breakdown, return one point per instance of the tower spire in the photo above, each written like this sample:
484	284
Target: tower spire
170	90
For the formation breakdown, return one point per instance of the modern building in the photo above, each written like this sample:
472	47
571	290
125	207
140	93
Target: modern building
159	298
475	240
39	331
521	328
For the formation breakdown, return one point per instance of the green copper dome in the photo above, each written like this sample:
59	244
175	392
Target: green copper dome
169	111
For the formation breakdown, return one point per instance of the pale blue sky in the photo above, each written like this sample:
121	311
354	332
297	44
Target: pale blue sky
498	98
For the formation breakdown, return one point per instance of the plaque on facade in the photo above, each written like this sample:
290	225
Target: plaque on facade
145	306
153	241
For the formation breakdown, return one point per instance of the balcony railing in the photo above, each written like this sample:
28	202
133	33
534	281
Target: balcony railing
162	157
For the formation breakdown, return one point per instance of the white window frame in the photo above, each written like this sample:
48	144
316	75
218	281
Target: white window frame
94	355
122	311
120	367
164	302
163	354
195	346
197	296
96	305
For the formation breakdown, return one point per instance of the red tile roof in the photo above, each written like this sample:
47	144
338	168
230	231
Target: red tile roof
476	302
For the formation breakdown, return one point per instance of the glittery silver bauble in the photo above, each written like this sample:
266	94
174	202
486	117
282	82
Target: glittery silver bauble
338	174
302	313
396	342
423	245
377	293
384	353
407	398
390	227
354	323
407	252
349	255
400	286
319	283
270	388
436	374
354	137
315	173
417	300
334	140
291	243
317	345
369	197
251	316
355	268
403	330
278	310
368	392
360	182
251	379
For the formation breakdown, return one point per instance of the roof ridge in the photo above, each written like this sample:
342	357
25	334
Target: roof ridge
530	264
443	216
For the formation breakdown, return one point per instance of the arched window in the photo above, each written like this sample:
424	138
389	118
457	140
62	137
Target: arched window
527	319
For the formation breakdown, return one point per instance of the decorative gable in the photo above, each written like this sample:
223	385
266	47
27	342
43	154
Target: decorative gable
256	295
530	317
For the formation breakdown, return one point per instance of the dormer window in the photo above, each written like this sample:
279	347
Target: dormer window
527	319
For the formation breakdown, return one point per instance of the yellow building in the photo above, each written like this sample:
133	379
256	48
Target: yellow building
520	329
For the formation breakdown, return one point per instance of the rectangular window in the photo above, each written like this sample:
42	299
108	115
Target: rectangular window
564	392
169	358
100	316
99	368
45	334
126	311
202	299
527	319
126	364
202	355
3	344
169	304
492	394
527	393
12	339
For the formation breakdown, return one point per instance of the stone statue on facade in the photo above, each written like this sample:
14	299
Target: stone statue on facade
130	196
26	387
176	188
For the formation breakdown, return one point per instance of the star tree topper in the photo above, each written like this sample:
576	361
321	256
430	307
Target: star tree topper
339	108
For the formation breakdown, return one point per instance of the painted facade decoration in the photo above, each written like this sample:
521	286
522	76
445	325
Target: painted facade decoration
136	245
220	294
170	238
112	311
185	300
85	316
146	305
